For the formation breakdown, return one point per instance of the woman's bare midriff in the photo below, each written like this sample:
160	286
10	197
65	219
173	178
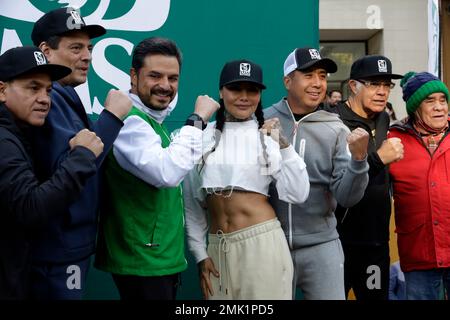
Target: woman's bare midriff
237	211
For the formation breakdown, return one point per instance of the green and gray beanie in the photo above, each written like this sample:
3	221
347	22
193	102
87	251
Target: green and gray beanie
418	86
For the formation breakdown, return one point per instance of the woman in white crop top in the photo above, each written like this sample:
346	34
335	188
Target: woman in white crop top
247	256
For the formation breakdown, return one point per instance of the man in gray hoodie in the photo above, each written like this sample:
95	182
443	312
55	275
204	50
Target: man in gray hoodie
336	160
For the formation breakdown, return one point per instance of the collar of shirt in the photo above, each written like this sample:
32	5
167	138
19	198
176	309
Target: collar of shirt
157	115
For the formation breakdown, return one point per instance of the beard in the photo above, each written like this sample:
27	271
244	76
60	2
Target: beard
147	98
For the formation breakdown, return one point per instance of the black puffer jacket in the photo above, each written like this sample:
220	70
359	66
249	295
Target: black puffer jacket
367	223
26	204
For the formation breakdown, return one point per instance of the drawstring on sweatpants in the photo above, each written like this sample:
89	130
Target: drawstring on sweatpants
225	248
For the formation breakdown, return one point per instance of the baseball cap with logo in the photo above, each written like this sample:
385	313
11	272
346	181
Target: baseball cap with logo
305	58
241	71
59	21
26	60
372	66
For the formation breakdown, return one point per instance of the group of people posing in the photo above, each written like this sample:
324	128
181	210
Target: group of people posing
294	196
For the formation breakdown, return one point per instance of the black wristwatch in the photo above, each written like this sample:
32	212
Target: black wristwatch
196	121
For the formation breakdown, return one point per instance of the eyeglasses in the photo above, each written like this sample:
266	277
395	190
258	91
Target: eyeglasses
377	84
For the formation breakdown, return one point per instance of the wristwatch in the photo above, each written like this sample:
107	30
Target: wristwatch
196	121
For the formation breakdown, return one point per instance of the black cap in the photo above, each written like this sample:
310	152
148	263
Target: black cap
241	71
24	60
60	21
305	58
372	66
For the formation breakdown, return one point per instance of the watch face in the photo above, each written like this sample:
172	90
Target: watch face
195	117
196	121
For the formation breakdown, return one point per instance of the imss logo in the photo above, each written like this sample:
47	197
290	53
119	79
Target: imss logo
245	69
40	58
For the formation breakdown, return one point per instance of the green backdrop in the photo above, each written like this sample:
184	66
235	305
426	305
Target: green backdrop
208	32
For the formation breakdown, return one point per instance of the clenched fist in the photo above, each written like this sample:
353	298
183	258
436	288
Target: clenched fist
272	128
118	103
205	107
391	150
357	143
87	139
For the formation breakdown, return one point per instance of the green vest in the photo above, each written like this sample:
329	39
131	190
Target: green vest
134	214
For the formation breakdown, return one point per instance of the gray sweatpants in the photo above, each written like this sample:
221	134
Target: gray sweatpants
254	263
319	271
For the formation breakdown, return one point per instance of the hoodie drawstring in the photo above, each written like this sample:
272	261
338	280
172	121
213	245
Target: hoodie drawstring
225	248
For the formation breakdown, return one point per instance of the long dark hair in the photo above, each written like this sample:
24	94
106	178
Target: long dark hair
220	123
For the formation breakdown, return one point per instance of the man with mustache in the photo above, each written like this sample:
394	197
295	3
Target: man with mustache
26	204
336	161
334	97
62	250
364	227
141	237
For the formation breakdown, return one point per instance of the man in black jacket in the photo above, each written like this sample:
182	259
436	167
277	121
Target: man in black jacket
25	203
364	228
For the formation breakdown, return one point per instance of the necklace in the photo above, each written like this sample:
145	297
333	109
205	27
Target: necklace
230	118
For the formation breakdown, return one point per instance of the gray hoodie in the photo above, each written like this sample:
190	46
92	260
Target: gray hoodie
320	139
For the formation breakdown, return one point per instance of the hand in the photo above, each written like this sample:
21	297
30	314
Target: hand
357	141
205	107
272	128
205	268
118	103
391	150
87	139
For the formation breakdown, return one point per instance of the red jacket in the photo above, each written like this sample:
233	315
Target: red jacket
422	202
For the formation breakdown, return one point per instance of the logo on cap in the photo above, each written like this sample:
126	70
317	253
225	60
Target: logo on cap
40	58
382	66
76	17
244	69
76	22
314	54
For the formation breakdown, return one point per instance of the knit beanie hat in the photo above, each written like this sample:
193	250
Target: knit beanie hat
418	86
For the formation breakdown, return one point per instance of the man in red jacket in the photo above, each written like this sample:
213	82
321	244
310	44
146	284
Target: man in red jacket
421	182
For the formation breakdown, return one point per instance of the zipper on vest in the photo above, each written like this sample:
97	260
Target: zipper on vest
151	245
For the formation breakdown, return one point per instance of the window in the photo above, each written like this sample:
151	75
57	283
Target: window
344	53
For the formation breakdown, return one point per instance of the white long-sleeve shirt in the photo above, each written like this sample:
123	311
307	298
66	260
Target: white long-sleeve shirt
138	150
238	163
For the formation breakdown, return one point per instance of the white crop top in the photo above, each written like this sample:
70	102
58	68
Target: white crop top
238	163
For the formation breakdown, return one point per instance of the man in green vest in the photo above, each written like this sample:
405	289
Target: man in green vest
141	236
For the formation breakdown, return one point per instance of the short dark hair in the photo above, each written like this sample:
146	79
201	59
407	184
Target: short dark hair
153	46
330	93
53	42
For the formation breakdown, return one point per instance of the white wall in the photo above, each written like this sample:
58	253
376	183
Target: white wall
402	37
